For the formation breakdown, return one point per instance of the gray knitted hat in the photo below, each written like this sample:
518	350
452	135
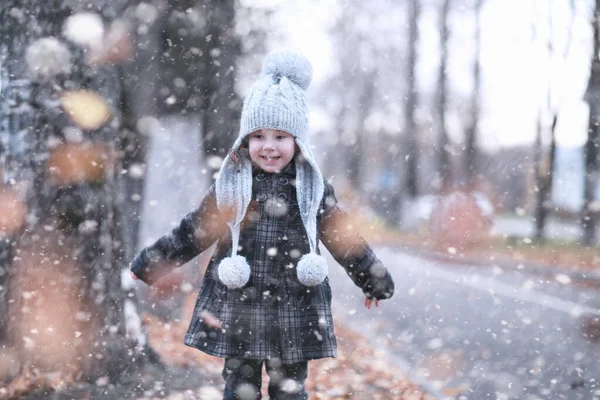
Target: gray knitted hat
277	101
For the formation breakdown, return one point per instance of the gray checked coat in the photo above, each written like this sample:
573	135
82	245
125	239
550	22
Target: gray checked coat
273	315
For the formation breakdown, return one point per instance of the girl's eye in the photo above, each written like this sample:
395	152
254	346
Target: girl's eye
280	137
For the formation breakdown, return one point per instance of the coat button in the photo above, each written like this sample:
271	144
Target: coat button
283	197
261	177
283	180
261	197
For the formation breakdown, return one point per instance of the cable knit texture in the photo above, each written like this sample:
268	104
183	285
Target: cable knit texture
234	272
277	101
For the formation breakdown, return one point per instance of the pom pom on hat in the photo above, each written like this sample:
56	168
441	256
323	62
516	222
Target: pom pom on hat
312	269
234	272
293	66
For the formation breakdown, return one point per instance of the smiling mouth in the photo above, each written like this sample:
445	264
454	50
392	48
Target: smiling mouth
269	158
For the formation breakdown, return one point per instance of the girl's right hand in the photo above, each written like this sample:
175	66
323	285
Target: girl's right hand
134	276
369	301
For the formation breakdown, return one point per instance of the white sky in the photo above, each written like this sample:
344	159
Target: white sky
516	67
304	24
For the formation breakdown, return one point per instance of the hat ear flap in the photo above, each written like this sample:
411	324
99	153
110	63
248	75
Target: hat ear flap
234	192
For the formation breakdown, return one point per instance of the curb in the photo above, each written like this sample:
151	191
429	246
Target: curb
421	382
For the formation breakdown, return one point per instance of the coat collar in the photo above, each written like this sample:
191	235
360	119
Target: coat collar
289	171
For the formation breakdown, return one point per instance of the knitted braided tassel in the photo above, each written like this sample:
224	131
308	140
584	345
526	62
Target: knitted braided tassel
312	268
234	271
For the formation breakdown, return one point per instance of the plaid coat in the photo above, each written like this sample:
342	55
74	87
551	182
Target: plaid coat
274	315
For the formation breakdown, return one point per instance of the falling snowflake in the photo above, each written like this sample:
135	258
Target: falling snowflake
146	13
562	278
137	170
214	162
147	124
73	134
84	29
47	58
276	208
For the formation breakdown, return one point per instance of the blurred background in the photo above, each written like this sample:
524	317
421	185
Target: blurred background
445	125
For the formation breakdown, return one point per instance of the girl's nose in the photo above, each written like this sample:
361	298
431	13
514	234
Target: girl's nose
269	144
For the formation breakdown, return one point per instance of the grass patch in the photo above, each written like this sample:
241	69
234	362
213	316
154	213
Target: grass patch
552	252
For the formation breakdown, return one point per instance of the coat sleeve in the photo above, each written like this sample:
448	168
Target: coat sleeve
196	232
351	251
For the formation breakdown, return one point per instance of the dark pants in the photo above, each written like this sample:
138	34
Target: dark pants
243	379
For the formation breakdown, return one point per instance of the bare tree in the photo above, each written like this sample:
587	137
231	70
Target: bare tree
356	91
356	157
471	134
545	161
444	162
412	101
592	96
544	177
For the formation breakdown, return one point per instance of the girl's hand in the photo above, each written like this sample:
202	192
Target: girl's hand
369	301
134	276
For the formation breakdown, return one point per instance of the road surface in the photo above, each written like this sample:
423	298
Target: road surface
473	332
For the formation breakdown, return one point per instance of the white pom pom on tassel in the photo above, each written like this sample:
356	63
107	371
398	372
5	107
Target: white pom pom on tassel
234	272
312	269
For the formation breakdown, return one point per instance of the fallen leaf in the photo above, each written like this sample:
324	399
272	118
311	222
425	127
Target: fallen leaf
12	213
116	47
76	163
86	108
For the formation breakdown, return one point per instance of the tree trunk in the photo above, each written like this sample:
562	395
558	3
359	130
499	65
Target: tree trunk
592	96
200	50
357	157
544	164
471	137
544	177
444	162
72	307
412	148
538	165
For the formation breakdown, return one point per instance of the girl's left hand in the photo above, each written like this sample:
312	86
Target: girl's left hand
210	320
369	301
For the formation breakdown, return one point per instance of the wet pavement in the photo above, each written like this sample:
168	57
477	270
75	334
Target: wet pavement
483	332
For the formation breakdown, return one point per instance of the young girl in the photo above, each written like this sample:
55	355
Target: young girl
265	295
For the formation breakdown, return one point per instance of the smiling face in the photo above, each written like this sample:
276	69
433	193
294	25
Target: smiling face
271	150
